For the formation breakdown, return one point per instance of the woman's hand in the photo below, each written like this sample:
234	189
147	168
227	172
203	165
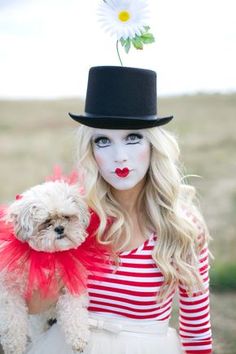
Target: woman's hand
38	304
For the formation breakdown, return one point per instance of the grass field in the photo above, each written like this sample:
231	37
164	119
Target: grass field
35	135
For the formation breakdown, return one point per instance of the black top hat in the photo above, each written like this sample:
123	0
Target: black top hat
121	98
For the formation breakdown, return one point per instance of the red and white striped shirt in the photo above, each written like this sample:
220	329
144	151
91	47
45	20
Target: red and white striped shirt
130	290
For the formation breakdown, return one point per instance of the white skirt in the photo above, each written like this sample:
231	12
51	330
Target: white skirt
111	335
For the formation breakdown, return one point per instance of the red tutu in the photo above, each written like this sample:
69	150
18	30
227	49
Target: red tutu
42	270
73	178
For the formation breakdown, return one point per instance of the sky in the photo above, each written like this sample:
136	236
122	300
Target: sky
48	46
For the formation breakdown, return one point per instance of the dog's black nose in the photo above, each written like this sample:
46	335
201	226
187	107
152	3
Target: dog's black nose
59	229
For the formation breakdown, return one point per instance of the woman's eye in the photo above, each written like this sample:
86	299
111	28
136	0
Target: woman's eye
134	138
102	141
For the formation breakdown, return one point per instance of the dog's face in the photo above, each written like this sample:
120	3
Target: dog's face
51	217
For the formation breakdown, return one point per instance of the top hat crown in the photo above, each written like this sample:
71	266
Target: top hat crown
121	98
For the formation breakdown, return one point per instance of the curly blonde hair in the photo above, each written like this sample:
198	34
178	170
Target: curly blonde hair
165	206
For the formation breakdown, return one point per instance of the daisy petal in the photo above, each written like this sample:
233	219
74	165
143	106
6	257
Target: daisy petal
123	18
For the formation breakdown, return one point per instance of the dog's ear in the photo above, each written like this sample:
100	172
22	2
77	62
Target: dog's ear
21	214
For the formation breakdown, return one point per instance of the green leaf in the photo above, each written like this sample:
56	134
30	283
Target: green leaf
127	45
147	38
147	35
122	41
137	43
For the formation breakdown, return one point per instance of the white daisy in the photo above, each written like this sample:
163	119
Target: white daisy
124	18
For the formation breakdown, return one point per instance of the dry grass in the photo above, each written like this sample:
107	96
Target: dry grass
206	128
35	135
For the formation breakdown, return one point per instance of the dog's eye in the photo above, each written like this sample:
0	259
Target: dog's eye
67	217
47	222
44	225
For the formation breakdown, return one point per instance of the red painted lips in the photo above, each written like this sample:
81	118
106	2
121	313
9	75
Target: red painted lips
122	172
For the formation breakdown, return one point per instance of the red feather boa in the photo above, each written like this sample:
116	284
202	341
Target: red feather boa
44	269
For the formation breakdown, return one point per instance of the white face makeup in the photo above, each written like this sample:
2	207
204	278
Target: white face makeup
122	156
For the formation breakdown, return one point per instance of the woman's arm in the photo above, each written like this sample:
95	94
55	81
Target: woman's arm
194	315
38	304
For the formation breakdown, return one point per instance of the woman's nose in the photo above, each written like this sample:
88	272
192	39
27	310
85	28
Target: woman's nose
120	160
120	155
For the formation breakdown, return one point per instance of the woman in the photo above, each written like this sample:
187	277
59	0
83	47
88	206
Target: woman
158	239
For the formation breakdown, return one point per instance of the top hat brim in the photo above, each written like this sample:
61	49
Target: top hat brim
114	122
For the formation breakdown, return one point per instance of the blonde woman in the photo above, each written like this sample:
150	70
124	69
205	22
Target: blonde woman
156	236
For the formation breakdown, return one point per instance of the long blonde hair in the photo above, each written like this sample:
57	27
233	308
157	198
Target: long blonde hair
165	205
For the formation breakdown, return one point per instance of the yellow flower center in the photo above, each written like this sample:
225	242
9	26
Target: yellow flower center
124	16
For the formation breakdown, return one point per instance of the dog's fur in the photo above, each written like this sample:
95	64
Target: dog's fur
50	217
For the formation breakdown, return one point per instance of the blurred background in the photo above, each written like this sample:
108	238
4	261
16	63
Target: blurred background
46	50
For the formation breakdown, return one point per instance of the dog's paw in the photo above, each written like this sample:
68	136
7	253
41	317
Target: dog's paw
79	348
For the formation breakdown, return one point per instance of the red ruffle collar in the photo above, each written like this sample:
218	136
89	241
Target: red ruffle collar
43	269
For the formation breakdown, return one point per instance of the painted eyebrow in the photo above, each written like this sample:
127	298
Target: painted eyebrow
135	133
96	137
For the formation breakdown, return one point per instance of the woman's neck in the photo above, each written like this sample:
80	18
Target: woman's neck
128	198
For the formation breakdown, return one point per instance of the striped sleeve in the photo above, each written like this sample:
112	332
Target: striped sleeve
194	313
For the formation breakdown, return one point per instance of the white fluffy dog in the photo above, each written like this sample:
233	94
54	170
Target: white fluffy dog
50	217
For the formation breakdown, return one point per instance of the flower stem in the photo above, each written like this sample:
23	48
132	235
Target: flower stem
117	49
